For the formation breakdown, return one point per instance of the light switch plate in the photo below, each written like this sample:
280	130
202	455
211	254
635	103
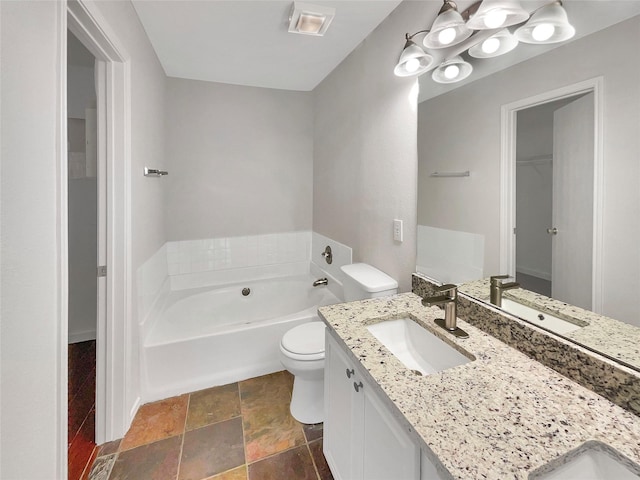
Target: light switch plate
397	230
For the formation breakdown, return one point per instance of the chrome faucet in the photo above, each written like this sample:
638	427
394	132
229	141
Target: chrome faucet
448	299
320	281
497	287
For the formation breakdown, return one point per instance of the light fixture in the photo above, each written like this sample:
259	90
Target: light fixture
451	71
497	14
548	24
448	28
413	59
309	19
494	46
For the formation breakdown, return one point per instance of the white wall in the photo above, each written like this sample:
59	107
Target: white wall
365	157
30	305
474	112
32	324
239	159
147	149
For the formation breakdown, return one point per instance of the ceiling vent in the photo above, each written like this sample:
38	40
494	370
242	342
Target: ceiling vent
309	19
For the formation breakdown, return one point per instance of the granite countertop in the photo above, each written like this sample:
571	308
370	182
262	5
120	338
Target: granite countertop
499	416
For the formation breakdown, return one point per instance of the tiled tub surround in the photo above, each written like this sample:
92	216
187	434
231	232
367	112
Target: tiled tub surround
617	383
618	339
500	416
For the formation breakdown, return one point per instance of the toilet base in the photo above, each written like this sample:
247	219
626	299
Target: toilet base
307	400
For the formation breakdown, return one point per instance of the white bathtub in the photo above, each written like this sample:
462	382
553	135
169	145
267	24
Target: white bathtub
215	336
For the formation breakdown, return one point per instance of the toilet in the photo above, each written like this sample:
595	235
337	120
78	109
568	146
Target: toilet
302	347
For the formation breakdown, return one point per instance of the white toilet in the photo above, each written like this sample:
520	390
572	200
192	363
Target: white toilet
302	347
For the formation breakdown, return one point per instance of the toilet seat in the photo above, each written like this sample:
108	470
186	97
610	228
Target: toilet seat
304	342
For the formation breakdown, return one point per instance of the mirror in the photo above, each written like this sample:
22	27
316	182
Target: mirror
468	195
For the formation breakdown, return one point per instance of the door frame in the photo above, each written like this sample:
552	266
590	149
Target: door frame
508	176
114	329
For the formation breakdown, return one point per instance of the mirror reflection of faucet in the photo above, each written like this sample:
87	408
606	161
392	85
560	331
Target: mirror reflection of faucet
499	284
448	297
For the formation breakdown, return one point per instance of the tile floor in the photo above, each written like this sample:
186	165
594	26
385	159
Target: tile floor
81	408
239	431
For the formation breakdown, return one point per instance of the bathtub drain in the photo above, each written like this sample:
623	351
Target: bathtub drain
246	291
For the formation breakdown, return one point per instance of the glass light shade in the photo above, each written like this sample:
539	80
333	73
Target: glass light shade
452	70
497	14
413	61
494	46
448	29
549	24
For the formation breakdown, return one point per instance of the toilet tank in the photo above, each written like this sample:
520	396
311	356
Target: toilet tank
364	281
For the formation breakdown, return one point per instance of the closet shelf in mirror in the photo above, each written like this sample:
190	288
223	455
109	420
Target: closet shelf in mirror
451	174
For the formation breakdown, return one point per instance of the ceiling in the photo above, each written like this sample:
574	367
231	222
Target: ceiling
246	42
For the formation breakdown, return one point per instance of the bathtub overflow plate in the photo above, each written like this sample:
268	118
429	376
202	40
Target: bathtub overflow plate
246	291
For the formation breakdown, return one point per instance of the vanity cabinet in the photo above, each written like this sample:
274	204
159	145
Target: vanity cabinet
362	440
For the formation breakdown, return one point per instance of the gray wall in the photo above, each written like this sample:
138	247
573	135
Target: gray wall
239	159
365	158
473	111
32	327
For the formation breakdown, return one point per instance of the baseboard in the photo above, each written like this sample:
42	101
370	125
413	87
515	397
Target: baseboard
76	337
134	410
533	272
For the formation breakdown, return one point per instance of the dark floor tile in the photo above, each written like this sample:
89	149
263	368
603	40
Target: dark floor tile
109	448
157	461
312	432
292	464
318	458
269	427
239	473
212	449
156	421
102	467
213	405
80	406
81	449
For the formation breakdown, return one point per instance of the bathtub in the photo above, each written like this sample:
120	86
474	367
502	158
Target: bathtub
217	335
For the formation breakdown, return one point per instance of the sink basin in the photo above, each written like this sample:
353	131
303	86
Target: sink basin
542	319
417	348
591	464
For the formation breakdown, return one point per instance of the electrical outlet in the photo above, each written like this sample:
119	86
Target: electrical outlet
397	230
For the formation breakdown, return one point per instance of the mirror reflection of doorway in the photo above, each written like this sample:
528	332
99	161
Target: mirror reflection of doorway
554	199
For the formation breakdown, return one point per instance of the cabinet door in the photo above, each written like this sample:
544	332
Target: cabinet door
343	415
389	451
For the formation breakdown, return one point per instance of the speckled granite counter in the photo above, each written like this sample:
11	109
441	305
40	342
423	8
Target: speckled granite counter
500	416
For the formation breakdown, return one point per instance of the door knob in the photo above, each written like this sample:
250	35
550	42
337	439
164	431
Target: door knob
552	231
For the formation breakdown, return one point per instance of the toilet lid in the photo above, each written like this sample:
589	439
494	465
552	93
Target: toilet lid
306	339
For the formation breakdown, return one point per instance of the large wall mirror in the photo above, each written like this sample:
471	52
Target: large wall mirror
534	171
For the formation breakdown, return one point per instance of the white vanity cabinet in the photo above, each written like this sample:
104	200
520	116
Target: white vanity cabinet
362	440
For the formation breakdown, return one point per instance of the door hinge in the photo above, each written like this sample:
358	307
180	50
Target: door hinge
102	270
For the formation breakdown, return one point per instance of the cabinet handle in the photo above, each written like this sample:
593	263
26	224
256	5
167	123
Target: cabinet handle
357	386
350	372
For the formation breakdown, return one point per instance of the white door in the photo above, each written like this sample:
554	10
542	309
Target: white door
573	183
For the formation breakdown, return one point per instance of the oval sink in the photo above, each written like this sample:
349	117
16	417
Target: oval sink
542	319
416	347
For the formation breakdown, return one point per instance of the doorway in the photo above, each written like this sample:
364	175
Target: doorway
551	193
82	259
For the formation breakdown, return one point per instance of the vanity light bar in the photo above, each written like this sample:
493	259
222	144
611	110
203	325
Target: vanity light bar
547	24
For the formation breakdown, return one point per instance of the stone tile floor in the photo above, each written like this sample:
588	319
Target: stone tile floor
239	431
